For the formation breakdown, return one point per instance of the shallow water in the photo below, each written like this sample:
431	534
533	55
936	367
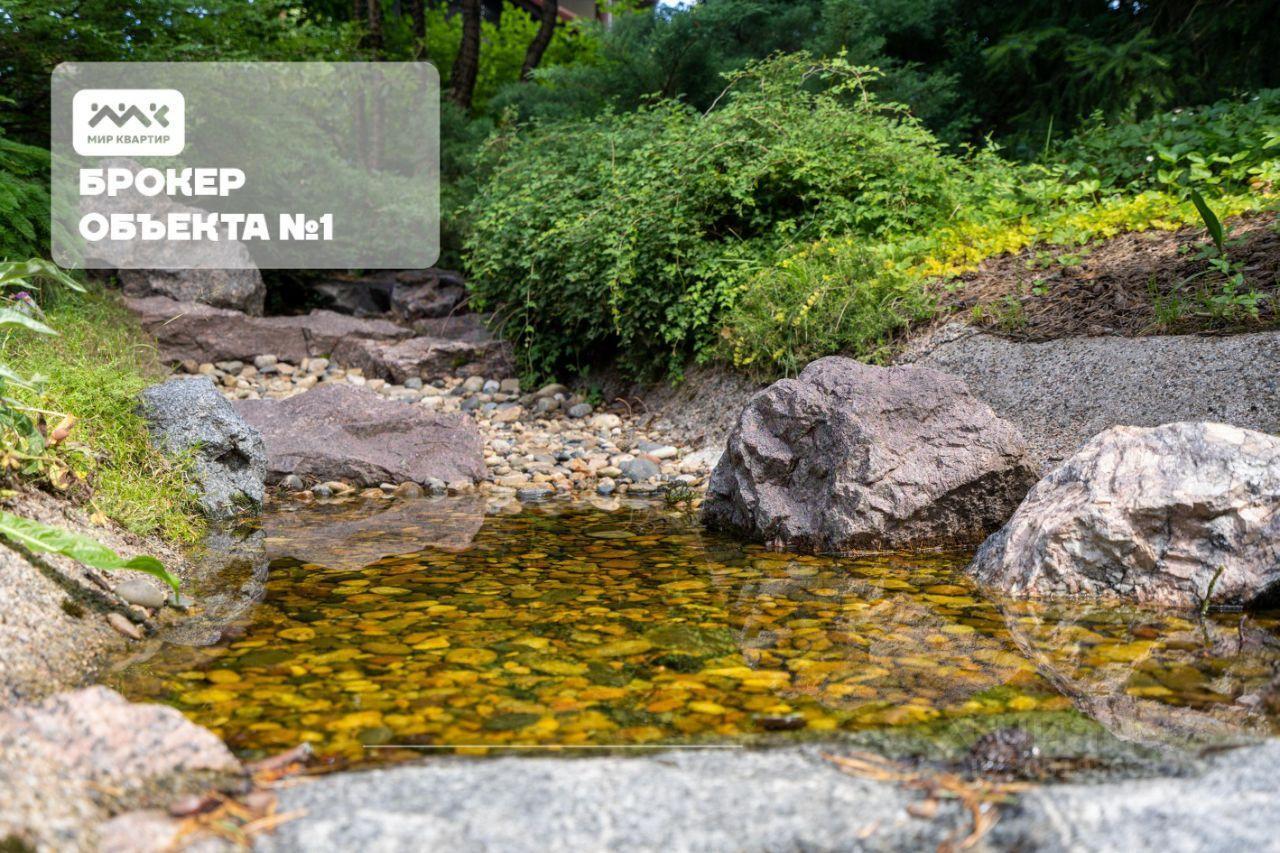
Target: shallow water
572	625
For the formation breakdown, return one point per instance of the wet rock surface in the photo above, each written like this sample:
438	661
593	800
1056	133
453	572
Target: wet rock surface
343	432
1170	516
189	415
72	760
338	536
849	456
1061	393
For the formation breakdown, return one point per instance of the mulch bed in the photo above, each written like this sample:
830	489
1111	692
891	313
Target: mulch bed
1113	287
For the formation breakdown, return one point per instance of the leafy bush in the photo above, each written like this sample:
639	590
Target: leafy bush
632	233
1225	144
834	296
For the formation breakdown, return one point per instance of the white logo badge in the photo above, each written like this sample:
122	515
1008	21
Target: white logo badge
128	122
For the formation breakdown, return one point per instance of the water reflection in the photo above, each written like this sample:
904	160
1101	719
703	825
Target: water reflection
575	625
1158	678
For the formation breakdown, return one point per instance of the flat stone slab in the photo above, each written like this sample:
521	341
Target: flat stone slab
785	799
190	330
422	357
1061	393
338	431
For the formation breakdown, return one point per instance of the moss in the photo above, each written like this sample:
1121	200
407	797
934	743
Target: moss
94	370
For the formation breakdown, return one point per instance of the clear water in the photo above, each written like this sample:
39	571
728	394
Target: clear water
429	623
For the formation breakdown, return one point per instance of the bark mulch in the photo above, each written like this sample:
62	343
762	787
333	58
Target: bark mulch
1128	285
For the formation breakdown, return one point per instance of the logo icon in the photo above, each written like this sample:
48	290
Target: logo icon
128	122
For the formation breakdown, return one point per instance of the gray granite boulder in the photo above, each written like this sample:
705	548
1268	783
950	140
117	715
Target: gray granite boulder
1150	515
230	457
429	293
850	456
237	289
343	432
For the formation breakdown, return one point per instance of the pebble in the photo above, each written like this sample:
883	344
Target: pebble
580	410
140	592
123	626
293	483
408	491
639	469
534	493
606	486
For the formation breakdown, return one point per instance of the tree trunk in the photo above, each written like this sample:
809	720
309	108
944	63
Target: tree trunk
462	81
418	8
375	27
537	47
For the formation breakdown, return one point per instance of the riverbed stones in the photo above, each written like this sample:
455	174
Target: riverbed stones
1151	515
338	431
188	415
70	761
849	456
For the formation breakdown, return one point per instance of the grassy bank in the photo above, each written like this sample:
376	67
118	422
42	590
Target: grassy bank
93	370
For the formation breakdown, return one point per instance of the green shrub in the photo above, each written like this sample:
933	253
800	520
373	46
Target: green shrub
631	234
837	296
1225	143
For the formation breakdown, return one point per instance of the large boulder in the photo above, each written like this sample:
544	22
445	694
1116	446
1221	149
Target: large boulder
72	760
237	289
343	432
189	415
1151	515
190	330
851	456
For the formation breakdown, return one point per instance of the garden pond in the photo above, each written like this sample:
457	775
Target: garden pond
382	627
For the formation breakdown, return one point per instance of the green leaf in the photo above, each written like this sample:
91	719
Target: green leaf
14	378
16	273
1211	223
10	317
37	536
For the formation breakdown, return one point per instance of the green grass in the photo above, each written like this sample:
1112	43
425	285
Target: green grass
94	369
